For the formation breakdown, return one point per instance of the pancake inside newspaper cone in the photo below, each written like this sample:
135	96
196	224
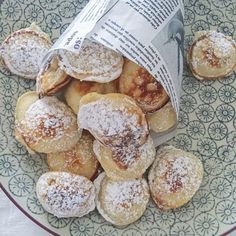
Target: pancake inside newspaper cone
51	78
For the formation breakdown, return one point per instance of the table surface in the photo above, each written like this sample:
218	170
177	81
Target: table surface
14	222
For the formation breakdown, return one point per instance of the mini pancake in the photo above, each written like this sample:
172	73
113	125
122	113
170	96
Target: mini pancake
76	89
163	119
66	195
121	202
174	177
113	119
138	83
51	78
45	125
80	160
23	50
94	62
212	55
126	162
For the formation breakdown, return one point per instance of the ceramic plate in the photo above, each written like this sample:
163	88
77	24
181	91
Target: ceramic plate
207	127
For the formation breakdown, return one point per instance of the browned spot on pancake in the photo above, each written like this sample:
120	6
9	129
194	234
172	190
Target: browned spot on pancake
211	58
51	182
158	200
124	205
84	87
146	90
49	130
57	87
42	131
76	163
149	90
71	158
173	179
124	157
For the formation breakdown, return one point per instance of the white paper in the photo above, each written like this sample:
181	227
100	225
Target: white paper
148	32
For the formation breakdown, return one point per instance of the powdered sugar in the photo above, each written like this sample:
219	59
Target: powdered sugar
127	157
174	177
195	62
121	202
176	172
45	125
93	58
216	50
66	195
51	119
220	43
124	194
112	125
48	117
23	51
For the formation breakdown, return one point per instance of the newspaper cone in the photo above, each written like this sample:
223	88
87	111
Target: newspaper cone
148	32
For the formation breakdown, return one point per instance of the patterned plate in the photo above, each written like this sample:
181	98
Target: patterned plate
207	127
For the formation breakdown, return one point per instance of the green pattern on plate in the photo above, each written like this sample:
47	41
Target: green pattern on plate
207	127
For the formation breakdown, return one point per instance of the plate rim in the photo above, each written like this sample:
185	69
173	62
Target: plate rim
52	232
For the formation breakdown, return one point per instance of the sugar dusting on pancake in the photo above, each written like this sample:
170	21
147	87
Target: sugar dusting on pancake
174	177
66	195
212	55
121	202
23	51
111	124
95	62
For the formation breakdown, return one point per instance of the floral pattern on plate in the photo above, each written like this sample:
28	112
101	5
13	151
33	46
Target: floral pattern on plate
207	125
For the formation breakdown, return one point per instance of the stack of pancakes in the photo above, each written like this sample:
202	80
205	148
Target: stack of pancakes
92	112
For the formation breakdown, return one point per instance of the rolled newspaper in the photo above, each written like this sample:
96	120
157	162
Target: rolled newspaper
148	32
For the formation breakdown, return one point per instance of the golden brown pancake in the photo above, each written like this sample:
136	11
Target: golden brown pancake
212	55
121	202
66	195
79	160
126	162
174	177
94	62
163	119
139	84
76	89
23	50
51	78
45	125
113	119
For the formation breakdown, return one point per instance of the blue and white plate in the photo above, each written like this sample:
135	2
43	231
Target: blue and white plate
207	127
